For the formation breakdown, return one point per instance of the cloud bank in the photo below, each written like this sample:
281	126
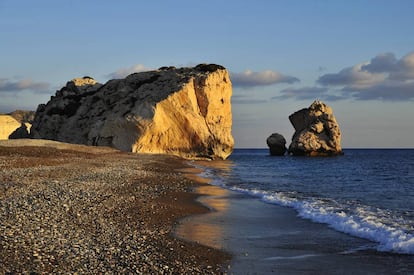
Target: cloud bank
123	72
243	99
13	86
384	77
249	78
308	93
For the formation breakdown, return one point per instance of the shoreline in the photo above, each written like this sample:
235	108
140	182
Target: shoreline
268	238
73	208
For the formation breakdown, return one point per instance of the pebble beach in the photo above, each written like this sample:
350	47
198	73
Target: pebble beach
68	208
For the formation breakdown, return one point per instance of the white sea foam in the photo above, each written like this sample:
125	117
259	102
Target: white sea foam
360	222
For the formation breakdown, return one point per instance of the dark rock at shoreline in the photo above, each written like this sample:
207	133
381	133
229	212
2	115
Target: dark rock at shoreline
316	132
277	144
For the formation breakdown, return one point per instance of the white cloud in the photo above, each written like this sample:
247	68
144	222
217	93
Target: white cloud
243	99
384	77
123	72
404	68
387	90
306	93
10	86
249	78
381	63
354	77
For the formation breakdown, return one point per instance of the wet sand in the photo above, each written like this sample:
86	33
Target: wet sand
71	208
270	239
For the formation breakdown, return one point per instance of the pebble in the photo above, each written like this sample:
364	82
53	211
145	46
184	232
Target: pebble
84	214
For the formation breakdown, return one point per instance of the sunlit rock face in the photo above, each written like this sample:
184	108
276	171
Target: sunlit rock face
316	132
179	111
7	126
16	124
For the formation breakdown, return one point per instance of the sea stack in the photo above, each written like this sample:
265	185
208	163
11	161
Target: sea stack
277	144
179	111
316	132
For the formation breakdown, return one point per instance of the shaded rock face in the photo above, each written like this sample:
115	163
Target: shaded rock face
20	132
179	111
277	144
316	131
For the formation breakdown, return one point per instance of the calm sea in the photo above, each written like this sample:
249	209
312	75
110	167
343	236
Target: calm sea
367	193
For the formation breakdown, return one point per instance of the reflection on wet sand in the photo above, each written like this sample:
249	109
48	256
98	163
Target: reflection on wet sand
195	228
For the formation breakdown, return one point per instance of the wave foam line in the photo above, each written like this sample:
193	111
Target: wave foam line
362	223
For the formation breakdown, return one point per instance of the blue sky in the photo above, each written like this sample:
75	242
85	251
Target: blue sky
357	56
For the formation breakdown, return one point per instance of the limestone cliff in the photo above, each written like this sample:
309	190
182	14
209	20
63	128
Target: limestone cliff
316	131
16	124
180	111
7	126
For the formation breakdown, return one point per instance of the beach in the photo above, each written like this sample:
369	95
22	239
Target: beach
71	208
68	208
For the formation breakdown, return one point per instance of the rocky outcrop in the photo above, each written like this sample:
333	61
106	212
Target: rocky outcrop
180	111
23	116
7	126
277	144
12	124
316	131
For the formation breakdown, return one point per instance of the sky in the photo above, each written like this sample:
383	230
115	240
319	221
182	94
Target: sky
357	56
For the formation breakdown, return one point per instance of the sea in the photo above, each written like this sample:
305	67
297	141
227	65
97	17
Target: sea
366	194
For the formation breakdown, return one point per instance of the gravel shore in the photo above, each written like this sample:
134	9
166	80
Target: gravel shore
77	209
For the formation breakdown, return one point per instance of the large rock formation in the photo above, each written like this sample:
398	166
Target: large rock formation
277	144
316	131
8	125
180	111
16	124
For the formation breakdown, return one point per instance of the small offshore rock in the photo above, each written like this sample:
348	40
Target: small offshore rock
277	144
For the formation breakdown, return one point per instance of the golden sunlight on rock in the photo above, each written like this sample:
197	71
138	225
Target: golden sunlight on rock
84	81
177	111
7	126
